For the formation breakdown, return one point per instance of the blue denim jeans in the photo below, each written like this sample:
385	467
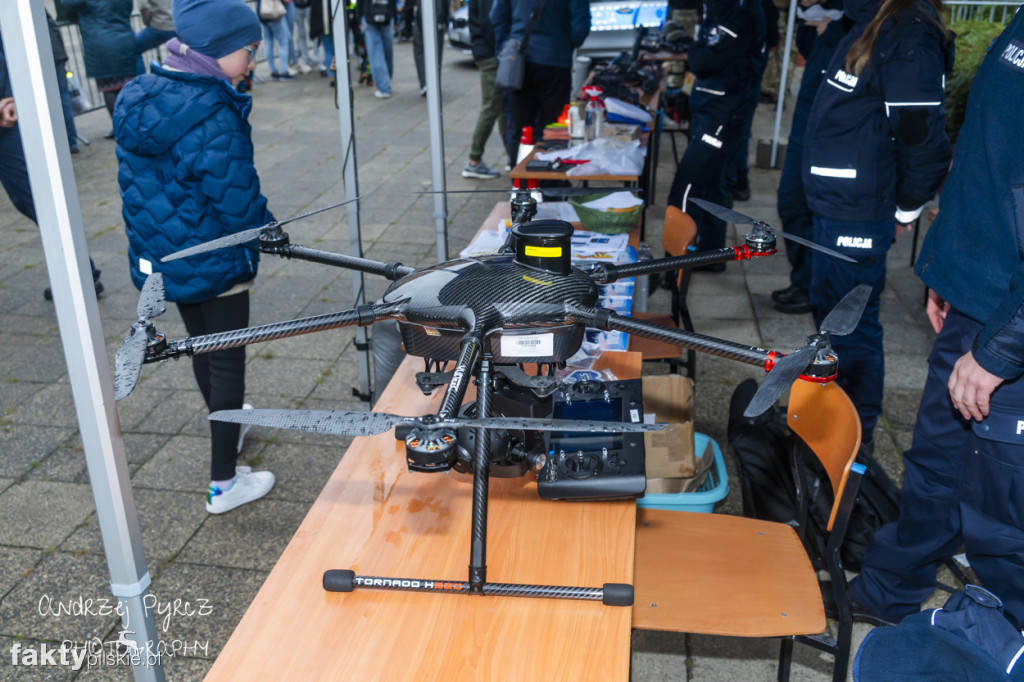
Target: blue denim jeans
276	35
379	49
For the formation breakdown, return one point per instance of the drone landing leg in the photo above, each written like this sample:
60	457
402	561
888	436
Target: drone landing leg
481	483
610	594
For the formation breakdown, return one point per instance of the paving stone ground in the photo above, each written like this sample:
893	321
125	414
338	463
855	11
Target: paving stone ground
50	547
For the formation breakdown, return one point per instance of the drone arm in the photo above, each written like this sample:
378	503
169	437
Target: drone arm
472	343
391	271
362	316
607	320
604	273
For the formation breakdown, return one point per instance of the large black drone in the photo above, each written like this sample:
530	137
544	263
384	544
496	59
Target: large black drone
488	315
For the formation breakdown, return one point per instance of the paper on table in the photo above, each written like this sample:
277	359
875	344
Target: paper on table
558	210
615	200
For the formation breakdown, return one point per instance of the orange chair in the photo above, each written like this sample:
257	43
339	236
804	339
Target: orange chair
679	234
728	575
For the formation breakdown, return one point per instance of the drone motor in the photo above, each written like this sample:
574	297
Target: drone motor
430	450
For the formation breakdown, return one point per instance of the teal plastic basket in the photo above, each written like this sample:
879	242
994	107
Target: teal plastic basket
714	488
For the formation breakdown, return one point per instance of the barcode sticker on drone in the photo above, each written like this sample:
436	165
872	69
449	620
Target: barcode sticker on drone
634	416
527	345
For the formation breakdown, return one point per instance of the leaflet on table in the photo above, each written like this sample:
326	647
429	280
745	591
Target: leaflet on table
623	305
622	287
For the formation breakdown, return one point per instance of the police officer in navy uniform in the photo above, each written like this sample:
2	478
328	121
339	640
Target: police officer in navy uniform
875	151
725	59
964	478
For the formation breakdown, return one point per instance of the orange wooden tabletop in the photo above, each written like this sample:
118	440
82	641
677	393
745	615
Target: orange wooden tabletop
377	518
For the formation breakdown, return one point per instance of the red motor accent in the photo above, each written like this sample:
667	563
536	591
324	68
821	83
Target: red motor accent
820	380
769	363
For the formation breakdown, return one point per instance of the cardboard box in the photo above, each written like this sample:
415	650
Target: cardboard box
672	465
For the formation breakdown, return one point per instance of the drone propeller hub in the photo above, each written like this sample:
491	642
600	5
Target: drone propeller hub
274	238
523	206
544	245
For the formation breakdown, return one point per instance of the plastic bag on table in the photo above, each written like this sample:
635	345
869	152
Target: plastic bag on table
609	156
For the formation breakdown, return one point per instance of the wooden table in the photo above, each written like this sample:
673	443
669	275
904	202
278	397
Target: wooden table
377	518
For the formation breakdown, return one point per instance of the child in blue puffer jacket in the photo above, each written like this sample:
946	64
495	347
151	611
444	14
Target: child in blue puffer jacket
187	176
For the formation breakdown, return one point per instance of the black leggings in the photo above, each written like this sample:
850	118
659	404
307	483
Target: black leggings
221	374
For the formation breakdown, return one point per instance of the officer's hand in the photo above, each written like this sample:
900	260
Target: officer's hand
970	387
903	227
936	309
8	114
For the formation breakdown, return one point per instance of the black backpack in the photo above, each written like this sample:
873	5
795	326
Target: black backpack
771	460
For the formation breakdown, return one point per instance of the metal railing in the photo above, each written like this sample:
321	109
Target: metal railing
72	37
1001	11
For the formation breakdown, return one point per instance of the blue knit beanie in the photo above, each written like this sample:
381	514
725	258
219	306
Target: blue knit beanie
215	28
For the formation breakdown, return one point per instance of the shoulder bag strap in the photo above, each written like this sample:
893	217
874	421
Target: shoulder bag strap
529	27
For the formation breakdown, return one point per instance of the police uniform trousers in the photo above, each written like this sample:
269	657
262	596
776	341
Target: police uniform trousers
964	484
861	355
714	140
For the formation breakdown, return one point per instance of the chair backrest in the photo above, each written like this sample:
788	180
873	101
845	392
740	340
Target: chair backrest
825	418
679	233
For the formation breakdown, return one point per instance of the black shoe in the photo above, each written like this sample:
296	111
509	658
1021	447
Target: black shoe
48	293
797	304
110	135
741	190
780	295
860	613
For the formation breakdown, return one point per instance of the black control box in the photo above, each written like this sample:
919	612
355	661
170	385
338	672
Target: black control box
595	466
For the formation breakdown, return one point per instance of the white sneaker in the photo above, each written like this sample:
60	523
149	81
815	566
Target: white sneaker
248	486
381	95
304	67
292	72
243	429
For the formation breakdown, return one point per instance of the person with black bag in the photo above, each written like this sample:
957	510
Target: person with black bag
377	18
547	31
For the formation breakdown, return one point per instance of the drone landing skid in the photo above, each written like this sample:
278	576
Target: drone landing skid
610	594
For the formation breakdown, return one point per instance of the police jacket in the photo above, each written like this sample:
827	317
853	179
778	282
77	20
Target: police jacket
876	145
563	25
186	173
726	56
481	30
973	255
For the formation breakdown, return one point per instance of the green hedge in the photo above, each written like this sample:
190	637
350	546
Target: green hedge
972	41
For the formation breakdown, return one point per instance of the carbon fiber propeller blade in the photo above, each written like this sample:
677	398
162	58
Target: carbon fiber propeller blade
730	216
525	424
550	191
843	319
128	362
726	214
235	239
787	370
245	236
151	301
349	423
